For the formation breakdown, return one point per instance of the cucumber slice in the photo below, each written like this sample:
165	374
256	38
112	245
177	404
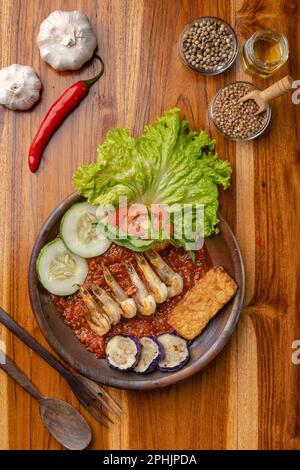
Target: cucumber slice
59	270
78	231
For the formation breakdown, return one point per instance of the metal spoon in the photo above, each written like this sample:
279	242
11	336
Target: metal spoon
62	420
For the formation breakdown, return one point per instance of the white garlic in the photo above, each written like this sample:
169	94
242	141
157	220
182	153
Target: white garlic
66	40
19	87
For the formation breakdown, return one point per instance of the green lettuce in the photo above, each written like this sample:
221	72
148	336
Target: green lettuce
167	164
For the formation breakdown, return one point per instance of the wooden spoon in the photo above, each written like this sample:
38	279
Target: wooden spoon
262	98
62	420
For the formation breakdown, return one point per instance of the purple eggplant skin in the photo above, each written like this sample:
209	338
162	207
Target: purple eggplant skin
182	363
154	364
137	356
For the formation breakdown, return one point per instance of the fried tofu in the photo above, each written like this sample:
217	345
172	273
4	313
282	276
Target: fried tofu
202	302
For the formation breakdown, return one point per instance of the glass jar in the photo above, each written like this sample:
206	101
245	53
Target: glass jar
265	52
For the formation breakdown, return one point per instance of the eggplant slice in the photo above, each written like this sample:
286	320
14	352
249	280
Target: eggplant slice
152	353
123	352
176	352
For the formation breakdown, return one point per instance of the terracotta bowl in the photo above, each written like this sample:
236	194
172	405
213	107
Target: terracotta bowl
222	249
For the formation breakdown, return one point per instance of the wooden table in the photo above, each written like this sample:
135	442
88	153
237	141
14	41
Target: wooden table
249	396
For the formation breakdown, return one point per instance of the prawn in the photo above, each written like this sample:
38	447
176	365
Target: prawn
97	320
173	280
127	304
109	305
159	289
145	301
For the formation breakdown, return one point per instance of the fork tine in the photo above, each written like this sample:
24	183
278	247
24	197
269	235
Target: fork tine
97	390
107	406
94	396
92	413
97	418
89	402
98	408
111	399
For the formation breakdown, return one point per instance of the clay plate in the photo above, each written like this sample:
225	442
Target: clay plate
222	249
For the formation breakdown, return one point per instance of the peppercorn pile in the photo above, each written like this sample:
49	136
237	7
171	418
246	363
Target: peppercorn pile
236	119
208	45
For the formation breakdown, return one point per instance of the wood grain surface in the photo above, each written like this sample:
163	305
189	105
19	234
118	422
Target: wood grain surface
249	396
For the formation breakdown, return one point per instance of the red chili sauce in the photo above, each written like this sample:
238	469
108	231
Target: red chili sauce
74	314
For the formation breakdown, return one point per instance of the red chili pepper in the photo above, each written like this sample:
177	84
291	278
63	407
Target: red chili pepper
55	116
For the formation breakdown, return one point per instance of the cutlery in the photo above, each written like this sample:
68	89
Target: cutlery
61	419
90	395
263	97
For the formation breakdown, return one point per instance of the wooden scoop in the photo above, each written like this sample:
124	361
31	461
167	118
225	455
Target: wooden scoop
62	420
262	98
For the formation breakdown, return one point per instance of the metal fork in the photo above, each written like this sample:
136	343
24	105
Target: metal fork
91	395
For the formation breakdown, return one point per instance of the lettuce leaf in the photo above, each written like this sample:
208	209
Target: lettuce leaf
128	241
167	164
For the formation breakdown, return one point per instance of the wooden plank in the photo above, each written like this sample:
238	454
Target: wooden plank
248	397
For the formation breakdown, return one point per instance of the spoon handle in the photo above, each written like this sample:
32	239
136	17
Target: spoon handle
15	373
277	89
11	325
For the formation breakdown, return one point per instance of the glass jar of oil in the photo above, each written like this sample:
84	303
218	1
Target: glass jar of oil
265	52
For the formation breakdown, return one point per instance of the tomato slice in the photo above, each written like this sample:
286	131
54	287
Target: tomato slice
143	221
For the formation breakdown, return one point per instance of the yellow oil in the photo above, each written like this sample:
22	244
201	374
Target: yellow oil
267	50
263	53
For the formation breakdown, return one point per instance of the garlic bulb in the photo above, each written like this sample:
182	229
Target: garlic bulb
19	87
66	40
